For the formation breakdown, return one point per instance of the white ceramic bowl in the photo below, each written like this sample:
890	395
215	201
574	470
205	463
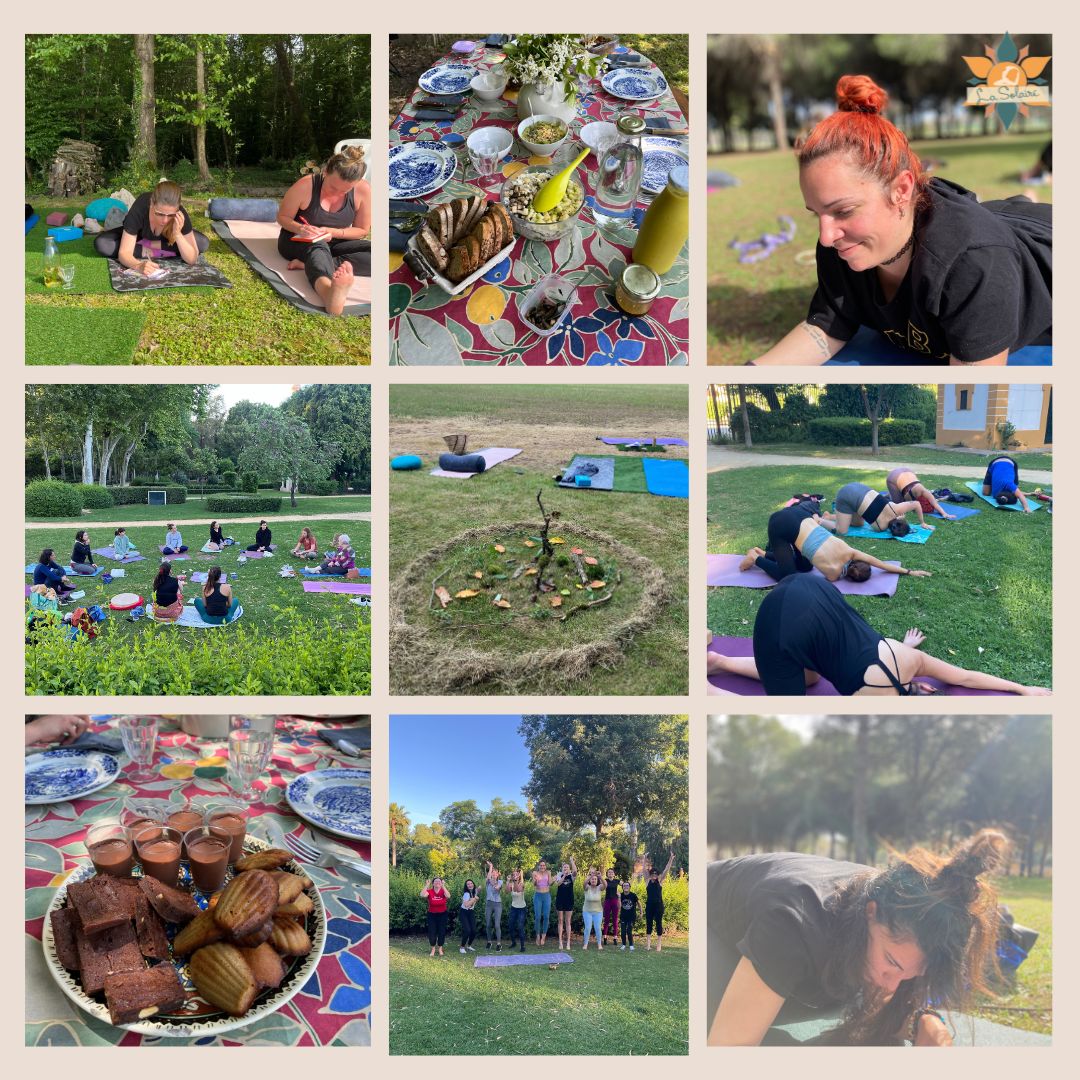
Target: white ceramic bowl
488	87
592	133
489	141
542	149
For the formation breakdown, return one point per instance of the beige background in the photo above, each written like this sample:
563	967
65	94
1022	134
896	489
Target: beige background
698	19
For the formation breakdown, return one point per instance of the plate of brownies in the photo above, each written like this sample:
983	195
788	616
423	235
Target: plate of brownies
176	963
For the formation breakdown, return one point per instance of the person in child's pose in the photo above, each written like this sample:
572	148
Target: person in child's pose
654	904
592	909
628	905
564	899
434	891
516	885
541	879
467	917
493	906
611	908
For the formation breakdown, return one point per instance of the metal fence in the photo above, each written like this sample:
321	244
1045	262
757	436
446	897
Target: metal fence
724	400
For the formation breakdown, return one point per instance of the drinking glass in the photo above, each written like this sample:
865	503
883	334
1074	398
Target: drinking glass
252	722
486	148
109	846
67	272
139	734
139	811
249	754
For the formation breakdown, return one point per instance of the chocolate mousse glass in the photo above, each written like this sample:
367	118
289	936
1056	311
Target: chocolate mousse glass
139	812
158	848
232	817
110	848
208	856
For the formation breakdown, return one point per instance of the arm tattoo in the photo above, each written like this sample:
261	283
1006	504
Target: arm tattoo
817	335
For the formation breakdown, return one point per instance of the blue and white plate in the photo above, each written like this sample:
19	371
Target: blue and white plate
419	168
62	775
447	78
634	85
336	800
662	154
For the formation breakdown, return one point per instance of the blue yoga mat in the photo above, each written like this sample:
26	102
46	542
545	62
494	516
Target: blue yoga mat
524	959
977	488
916	536
667	477
868	348
957	510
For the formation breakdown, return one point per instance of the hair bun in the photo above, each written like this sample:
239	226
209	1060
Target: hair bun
983	853
859	93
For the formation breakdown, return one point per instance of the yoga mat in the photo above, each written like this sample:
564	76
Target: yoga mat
493	455
179	275
524	959
352	587
916	536
724	570
256	243
56	335
190	617
70	571
599	470
630	476
621	440
257	554
969	1031
976	486
958	509
314	575
109	553
737	684
174	558
868	348
670	478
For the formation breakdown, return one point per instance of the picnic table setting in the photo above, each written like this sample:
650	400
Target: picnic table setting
200	880
539	208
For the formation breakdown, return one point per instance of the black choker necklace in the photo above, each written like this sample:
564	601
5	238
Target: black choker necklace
903	251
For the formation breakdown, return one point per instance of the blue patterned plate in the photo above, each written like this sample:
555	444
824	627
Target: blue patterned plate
634	85
419	168
336	800
662	154
62	775
447	78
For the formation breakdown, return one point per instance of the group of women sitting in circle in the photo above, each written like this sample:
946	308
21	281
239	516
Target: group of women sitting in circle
609	908
325	221
805	630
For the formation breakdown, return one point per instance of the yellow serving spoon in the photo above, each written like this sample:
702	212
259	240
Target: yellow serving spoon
550	195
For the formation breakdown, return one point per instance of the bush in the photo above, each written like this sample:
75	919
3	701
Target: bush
229	478
53	499
95	497
249	482
319	487
243	504
136	496
269	485
851	431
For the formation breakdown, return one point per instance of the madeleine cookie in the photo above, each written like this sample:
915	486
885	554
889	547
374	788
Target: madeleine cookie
290	938
247	902
290	886
266	965
201	931
256	937
301	905
222	976
270	859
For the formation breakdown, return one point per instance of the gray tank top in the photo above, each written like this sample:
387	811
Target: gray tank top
314	214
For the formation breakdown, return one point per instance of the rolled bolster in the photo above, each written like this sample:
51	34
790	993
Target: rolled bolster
462	463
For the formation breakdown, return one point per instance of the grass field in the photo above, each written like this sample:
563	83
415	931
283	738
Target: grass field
911	455
608	1002
751	306
550	425
247	324
987	607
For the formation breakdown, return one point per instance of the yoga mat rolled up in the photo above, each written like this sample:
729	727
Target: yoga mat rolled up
463	463
221	208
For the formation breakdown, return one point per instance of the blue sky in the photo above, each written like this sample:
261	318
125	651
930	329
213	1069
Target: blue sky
437	760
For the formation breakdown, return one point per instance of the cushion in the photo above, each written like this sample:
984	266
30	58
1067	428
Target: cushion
100	208
470	463
222	209
406	461
57	218
125	601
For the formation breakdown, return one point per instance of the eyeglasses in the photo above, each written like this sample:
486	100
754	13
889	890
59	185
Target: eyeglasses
159	213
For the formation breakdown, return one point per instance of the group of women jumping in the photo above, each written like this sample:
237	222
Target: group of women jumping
609	908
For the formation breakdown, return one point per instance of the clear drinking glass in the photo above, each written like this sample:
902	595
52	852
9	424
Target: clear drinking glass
619	177
139	811
139	734
67	272
249	754
253	722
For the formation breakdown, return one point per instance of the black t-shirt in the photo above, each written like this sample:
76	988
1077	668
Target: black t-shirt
167	592
217	536
137	223
611	889
262	537
980	281
771	909
81	553
654	894
628	905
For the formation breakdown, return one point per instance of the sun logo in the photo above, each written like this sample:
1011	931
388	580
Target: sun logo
1007	81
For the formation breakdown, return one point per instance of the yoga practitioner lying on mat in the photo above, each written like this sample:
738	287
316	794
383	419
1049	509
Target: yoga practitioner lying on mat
920	260
334	206
49	572
886	952
1001	483
858	504
82	558
156	227
216	599
903	486
805	630
799	540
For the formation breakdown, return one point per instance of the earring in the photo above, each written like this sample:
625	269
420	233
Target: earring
901	213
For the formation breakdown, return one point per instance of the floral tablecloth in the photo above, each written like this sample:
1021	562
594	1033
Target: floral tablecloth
333	1007
481	325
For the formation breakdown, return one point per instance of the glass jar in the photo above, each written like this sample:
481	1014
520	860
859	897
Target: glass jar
637	288
619	177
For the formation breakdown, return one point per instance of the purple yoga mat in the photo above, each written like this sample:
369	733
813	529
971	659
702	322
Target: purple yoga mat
492	456
524	959
353	587
724	570
621	440
109	553
737	684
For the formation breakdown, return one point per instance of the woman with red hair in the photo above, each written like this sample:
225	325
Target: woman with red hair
922	261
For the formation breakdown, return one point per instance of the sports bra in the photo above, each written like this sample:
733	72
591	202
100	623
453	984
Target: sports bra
873	511
815	538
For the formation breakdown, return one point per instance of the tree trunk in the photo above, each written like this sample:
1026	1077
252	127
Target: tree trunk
745	417
41	437
108	448
88	454
292	491
300	114
872	415
200	107
393	842
770	54
858	795
145	137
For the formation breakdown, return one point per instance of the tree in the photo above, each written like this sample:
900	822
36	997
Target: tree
200	111
145	103
282	445
339	413
399	826
875	402
507	835
460	820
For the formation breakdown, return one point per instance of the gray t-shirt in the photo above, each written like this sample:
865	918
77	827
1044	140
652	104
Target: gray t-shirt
494	893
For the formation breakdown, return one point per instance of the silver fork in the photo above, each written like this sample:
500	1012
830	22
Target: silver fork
308	853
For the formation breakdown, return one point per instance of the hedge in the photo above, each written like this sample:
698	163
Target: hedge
850	431
408	909
319	487
132	496
95	497
53	499
243	504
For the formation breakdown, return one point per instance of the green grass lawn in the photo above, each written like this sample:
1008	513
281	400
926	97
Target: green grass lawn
670	53
247	324
751	306
608	1002
987	607
1028	1001
195	509
271	607
912	455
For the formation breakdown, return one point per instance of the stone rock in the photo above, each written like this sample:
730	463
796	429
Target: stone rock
78	221
115	218
124	196
92	225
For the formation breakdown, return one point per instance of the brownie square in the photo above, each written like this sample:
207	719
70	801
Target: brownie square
127	889
97	904
64	927
150	930
171	904
136	995
109	953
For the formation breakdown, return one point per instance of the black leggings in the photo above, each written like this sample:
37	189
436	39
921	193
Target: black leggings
467	922
654	915
322	259
626	928
517	926
436	928
107	243
782	558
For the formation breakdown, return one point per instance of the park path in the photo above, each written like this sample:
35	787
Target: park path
353	515
721	457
